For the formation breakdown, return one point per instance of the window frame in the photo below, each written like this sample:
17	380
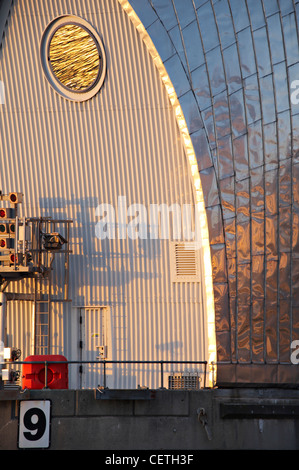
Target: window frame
59	87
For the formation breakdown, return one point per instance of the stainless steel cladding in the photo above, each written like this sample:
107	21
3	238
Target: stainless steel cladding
235	66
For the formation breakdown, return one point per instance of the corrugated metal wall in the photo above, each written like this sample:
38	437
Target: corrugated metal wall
68	157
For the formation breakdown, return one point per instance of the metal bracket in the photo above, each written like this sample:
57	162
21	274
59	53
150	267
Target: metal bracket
203	419
136	394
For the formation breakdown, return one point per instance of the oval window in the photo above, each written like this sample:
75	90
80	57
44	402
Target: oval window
73	58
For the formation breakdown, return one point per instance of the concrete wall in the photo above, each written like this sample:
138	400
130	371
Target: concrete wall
236	419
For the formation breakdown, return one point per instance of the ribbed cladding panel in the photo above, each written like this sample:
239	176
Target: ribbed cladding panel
69	157
20	337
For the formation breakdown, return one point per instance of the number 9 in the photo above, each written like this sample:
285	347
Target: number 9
39	425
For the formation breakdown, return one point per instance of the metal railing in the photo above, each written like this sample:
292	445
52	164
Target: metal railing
104	362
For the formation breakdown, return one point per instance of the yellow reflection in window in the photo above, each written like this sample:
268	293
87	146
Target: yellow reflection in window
74	57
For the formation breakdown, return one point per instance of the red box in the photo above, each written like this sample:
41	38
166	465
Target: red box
33	375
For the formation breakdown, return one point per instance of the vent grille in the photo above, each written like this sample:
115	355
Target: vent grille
185	262
179	381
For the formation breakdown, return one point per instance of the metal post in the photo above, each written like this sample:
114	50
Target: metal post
162	386
16	241
104	362
46	374
2	317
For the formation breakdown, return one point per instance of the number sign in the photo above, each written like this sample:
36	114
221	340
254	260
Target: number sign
34	424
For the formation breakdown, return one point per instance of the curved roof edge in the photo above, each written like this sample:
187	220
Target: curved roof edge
5	6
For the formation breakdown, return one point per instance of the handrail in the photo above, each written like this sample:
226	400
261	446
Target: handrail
104	362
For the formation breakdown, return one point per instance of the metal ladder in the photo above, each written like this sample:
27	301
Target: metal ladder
42	309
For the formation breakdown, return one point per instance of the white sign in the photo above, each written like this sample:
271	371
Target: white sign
34	424
2	93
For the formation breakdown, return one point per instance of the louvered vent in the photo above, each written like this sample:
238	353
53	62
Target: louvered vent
179	381
185	262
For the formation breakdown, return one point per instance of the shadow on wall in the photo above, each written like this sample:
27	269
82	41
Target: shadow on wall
107	262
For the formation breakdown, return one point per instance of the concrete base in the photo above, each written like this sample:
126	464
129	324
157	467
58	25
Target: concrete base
220	419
